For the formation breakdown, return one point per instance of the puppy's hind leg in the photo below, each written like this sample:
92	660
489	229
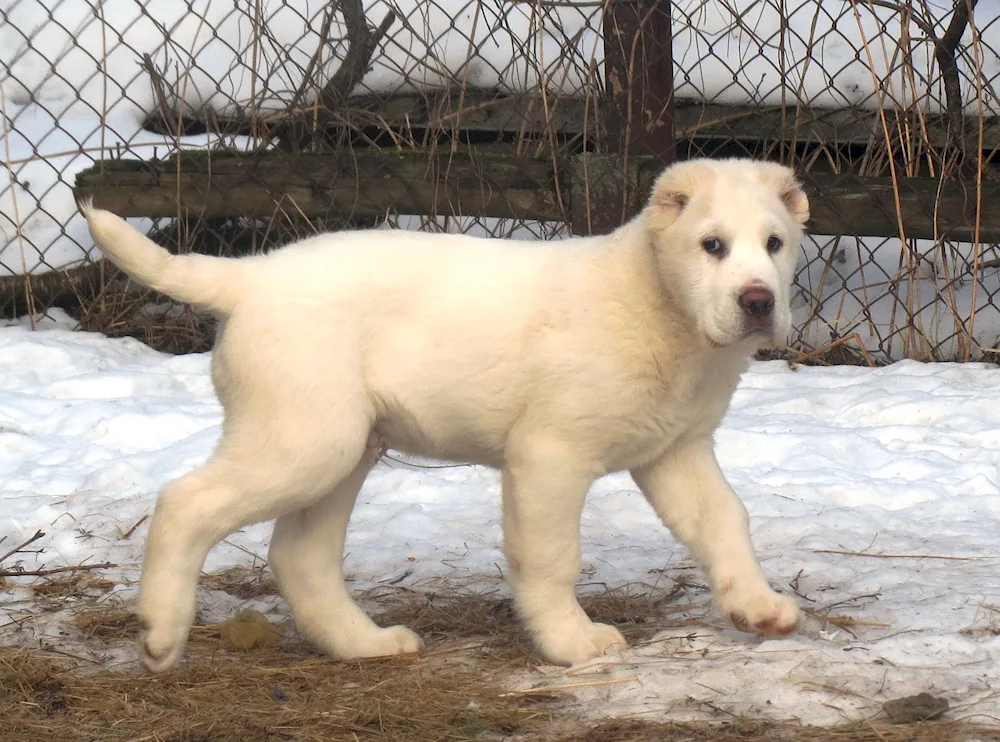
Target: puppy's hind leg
265	466
306	554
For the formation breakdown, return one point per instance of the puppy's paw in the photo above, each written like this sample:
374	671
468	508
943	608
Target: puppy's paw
571	645
383	643
161	645
766	614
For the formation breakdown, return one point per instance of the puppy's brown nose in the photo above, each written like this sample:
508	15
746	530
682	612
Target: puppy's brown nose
757	302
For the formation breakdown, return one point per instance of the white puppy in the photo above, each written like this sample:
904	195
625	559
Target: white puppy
554	362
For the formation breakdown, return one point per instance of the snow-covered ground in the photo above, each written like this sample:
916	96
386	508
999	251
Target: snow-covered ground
896	468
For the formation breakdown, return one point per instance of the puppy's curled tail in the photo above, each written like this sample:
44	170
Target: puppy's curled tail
193	279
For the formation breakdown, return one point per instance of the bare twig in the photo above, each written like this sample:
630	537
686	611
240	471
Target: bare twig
919	22
820	352
55	570
246	551
945	51
566	686
361	45
897	556
131	530
845	623
794	585
15	217
854	598
159	89
20	547
315	60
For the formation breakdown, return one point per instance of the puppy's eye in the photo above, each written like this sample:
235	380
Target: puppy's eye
713	246
774	244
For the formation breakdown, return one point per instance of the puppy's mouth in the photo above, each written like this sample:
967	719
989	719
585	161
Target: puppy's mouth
759	333
755	336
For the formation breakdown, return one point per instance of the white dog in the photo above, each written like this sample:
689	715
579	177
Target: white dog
555	362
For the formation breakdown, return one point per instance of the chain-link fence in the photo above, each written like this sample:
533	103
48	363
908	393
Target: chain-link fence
534	118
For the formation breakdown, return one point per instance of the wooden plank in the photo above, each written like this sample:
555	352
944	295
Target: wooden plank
474	111
360	184
845	204
371	184
833	127
530	114
928	208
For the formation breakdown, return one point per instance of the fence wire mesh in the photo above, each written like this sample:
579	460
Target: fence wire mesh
496	114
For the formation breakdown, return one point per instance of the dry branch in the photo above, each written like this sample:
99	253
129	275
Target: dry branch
805	357
945	50
20	547
898	556
159	89
130	531
362	43
55	570
545	689
297	133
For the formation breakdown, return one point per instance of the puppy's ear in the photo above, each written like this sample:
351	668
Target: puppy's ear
788	188
667	205
674	189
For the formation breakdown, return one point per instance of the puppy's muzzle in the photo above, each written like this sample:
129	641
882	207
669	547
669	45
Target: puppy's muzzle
757	303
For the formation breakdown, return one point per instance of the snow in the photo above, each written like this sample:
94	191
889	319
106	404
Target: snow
213	56
895	468
39	221
828	54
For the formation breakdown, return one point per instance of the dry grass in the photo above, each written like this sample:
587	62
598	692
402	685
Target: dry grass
242	583
289	695
71	585
114	623
458	689
750	730
274	695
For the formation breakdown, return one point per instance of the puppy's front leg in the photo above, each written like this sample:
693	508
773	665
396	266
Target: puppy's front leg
692	497
543	496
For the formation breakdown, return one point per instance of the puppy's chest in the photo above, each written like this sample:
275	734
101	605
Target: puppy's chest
658	419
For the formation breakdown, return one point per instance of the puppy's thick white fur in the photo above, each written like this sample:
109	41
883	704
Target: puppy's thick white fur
554	362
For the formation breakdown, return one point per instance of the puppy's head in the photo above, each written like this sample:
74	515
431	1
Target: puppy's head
726	236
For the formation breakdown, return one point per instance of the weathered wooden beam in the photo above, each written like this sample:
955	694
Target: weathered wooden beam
845	204
371	184
473	111
63	287
927	208
348	185
530	114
